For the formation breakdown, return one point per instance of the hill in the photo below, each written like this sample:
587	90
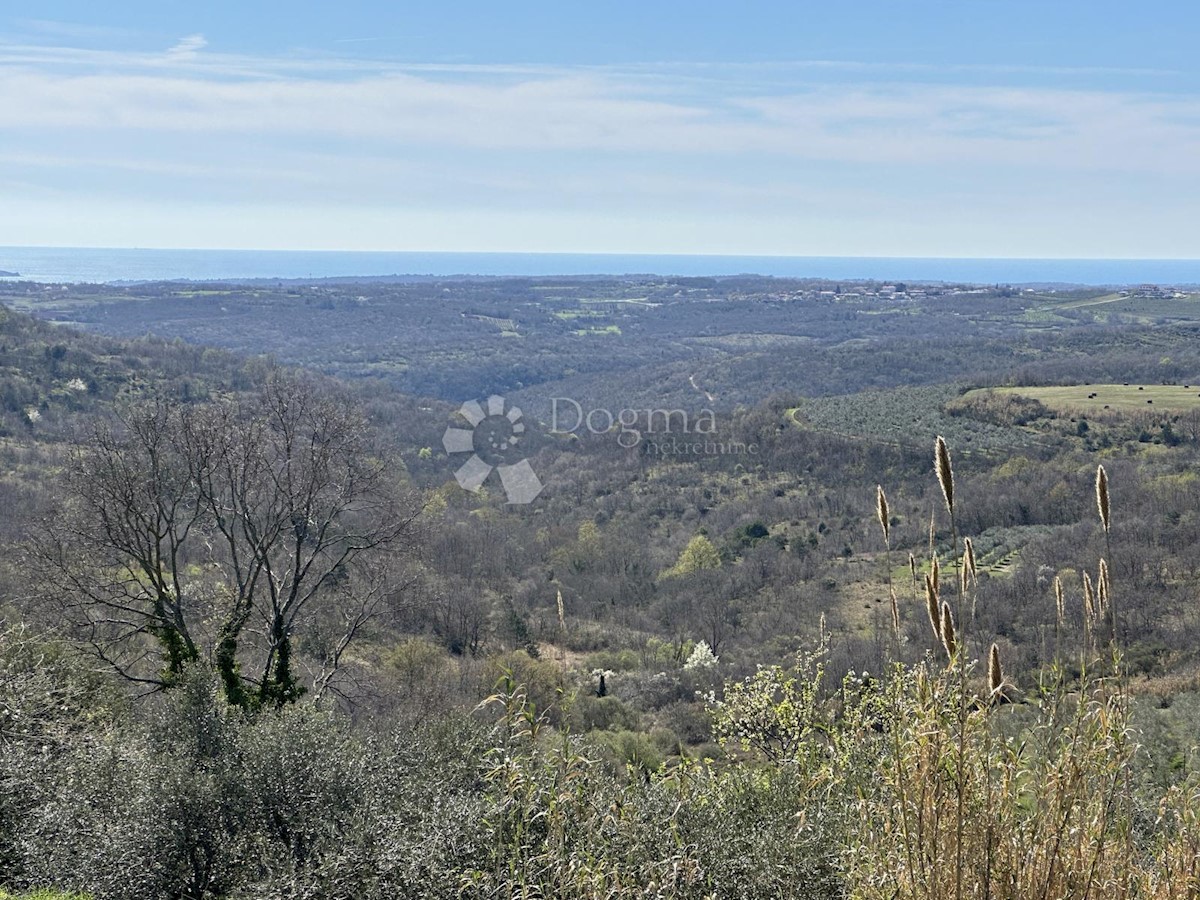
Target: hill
644	629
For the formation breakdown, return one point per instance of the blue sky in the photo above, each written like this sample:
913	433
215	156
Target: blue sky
903	128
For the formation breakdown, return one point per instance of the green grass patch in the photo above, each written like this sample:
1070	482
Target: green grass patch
501	324
1133	307
569	314
641	301
1091	301
1096	398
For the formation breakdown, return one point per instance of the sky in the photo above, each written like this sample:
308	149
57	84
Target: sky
970	128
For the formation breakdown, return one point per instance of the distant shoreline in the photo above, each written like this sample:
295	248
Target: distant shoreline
100	265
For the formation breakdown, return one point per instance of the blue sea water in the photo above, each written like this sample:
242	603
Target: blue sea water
79	264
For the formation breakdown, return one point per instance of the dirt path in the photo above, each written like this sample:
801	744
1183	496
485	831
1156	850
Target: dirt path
692	380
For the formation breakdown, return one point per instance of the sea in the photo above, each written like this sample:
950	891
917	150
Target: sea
100	265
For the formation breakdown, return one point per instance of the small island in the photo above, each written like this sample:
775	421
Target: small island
4	274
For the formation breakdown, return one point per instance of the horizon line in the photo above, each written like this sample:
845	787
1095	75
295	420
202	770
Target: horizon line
638	253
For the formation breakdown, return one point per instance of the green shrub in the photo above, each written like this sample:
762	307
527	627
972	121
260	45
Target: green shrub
613	661
590	713
633	749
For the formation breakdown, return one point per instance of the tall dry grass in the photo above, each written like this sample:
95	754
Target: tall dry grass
984	794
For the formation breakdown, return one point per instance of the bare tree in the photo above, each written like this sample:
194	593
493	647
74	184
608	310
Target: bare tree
114	555
217	532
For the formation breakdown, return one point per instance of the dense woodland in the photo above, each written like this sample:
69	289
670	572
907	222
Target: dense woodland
256	641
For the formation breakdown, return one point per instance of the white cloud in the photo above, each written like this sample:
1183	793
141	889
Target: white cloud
187	47
600	111
661	157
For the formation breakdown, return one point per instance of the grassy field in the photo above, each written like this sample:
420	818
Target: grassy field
1120	397
1132	307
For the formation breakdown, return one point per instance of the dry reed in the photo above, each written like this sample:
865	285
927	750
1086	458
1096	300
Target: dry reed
995	672
932	606
945	472
948	637
1102	497
969	573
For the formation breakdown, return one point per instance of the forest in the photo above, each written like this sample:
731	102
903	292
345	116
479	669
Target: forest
915	616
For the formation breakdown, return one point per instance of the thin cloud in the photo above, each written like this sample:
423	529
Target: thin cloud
72	30
592	112
707	144
188	47
718	75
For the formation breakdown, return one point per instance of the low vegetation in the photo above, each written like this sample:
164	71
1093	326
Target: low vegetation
256	642
931	779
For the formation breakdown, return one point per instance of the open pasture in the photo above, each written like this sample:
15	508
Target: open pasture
1095	398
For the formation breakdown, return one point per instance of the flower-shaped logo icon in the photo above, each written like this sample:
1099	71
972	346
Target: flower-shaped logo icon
491	440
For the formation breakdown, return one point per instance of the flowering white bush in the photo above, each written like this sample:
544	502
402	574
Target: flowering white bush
702	657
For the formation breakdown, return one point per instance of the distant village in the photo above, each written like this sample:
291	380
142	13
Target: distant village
899	292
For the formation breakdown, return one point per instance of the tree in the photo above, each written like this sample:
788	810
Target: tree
715	609
221	532
699	554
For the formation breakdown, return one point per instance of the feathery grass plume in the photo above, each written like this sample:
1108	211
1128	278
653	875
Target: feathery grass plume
935	574
932	531
1102	497
932	606
1059	601
895	611
948	632
881	512
562	618
945	473
1089	598
968	572
995	672
912	567
1102	590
